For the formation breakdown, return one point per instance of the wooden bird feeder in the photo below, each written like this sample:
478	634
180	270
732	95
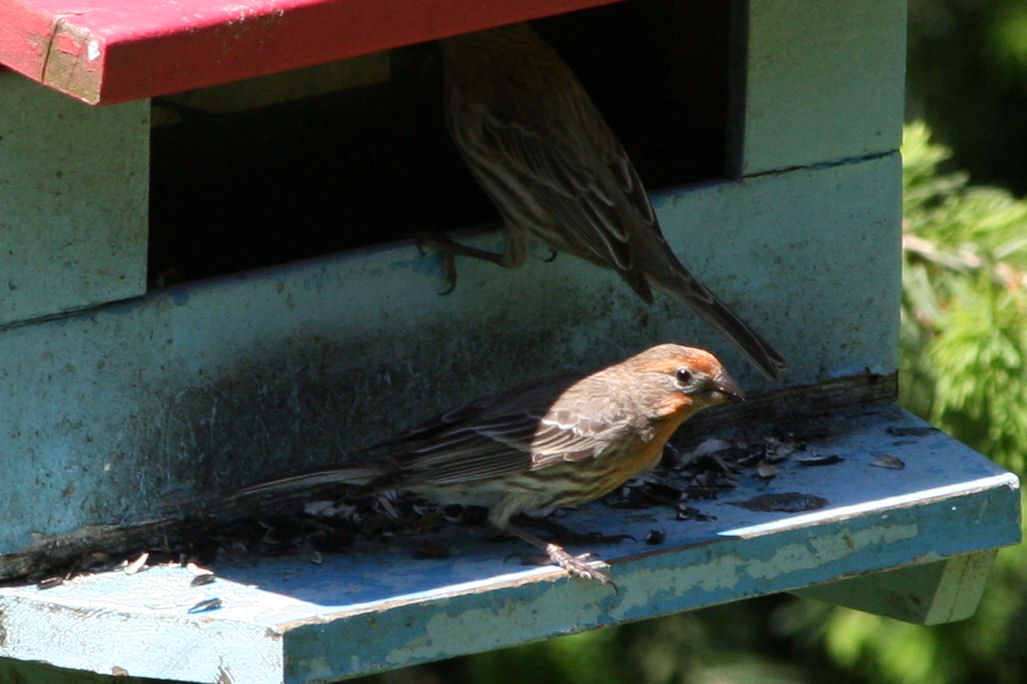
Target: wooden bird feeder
207	254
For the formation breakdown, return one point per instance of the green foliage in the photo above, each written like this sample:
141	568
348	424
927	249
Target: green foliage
963	367
964	332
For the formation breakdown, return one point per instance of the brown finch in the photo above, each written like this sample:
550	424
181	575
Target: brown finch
558	442
543	153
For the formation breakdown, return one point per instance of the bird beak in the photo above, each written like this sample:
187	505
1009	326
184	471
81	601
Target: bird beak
725	386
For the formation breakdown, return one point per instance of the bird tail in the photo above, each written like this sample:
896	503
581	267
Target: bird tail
355	475
269	495
682	286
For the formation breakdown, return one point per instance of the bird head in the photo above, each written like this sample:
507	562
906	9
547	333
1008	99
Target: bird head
682	380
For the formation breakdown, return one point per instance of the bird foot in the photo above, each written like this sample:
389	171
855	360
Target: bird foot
578	566
449	249
443	245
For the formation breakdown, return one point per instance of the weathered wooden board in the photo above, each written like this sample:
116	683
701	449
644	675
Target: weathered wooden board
376	607
73	216
117	50
200	387
825	81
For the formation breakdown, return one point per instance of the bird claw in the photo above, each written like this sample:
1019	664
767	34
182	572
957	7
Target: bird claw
449	263
578	566
445	248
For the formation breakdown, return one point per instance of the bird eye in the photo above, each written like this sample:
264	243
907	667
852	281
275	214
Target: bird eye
684	376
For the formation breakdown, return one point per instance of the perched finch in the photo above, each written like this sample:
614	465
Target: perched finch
543	153
558	442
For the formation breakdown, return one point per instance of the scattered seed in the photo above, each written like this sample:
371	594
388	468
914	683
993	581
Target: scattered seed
322	508
711	446
205	605
200	580
49	583
816	460
790	502
775	451
692	513
197	570
655	537
888	461
138	564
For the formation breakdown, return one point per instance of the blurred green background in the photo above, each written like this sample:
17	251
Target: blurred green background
963	367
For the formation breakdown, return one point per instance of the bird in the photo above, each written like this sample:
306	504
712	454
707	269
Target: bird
549	444
541	150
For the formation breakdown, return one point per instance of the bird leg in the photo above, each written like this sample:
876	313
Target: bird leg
556	554
450	248
569	536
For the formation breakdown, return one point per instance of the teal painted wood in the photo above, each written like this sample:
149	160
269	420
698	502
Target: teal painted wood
74	182
123	408
818	269
927	594
198	388
825	81
376	608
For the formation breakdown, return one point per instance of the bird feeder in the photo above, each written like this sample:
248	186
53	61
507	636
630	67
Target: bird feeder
209	214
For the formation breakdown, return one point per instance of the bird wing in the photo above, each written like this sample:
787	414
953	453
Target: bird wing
590	187
520	430
583	185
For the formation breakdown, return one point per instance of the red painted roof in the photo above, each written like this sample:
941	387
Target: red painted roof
106	51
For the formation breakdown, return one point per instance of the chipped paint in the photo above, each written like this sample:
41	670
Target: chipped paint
827	549
220	379
374	607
